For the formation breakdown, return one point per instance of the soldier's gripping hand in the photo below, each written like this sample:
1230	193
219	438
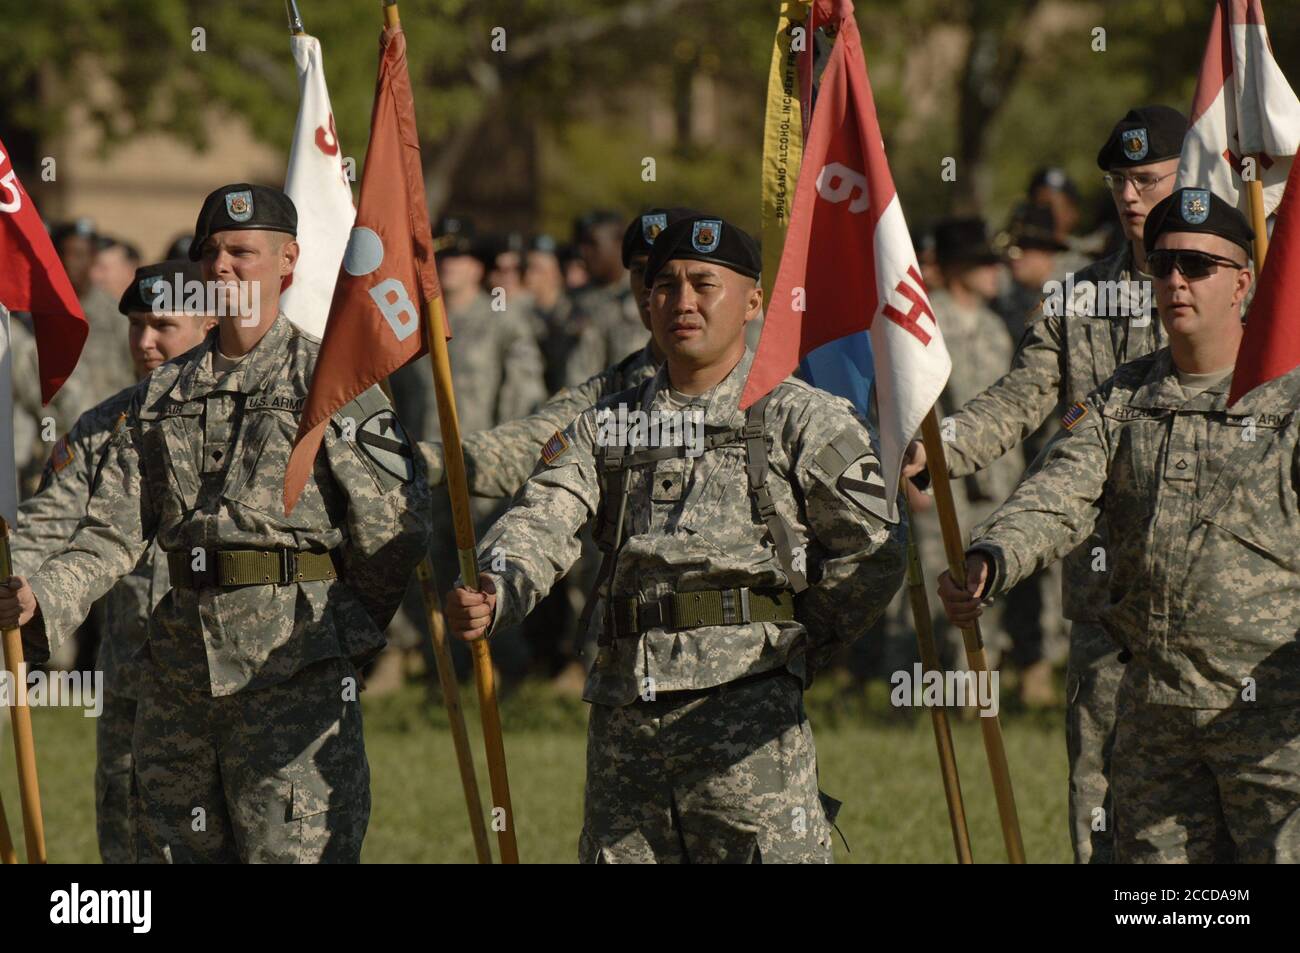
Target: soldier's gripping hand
17	603
469	613
962	603
914	459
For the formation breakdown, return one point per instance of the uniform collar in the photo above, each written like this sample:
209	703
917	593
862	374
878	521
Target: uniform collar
197	379
722	401
1160	390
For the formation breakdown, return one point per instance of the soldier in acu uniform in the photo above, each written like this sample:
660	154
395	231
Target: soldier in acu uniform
733	571
606	309
48	520
248	742
1073	344
1204	518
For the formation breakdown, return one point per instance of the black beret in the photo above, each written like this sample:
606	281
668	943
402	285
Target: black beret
1197	210
963	241
455	235
143	290
645	228
243	207
1054	178
1145	135
701	238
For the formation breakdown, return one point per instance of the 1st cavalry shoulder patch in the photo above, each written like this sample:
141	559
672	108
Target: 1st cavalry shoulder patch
554	448
1073	416
61	455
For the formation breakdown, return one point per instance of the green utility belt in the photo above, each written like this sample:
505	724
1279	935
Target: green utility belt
250	567
690	610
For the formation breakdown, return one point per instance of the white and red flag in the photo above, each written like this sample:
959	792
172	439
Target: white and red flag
848	295
388	273
32	279
319	187
1243	107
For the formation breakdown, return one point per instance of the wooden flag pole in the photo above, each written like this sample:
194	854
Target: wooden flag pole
458	490
433	315
991	727
1258	221
451	698
29	790
938	713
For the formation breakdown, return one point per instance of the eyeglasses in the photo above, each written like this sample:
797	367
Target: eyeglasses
1142	182
1193	264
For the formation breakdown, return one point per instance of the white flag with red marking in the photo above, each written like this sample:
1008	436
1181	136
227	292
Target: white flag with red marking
319	187
848	298
1245	116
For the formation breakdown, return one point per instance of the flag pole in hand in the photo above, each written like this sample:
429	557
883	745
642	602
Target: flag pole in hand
29	790
434	315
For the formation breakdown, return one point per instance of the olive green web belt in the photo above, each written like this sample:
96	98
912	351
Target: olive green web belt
691	610
250	567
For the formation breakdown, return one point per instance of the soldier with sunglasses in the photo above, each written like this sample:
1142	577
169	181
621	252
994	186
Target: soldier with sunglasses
1085	328
1201	500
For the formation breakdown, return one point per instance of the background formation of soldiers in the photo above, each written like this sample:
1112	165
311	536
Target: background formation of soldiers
174	432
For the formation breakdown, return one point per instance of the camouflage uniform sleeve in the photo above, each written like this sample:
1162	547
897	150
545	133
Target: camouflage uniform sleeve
535	542
1054	508
47	520
1007	412
864	555
117	529
523	384
590	352
500	460
388	518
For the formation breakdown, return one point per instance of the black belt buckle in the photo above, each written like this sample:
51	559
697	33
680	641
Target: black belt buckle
288	566
650	615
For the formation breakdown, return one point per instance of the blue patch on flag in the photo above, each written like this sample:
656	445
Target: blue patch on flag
844	367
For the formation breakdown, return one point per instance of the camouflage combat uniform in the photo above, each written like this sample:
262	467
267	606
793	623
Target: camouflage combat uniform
248	740
610	329
105	366
32	438
46	522
980	340
1060	360
1204	593
698	746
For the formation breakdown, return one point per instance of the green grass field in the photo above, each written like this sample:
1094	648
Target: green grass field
880	763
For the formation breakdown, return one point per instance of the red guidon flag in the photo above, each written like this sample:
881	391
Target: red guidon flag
848	281
32	279
388	273
1271	344
1243	108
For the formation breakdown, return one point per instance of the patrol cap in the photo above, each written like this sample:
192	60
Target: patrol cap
704	238
1144	135
243	207
143	290
645	228
963	241
1197	210
1032	226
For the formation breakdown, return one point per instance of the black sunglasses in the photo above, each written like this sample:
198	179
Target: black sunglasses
1193	264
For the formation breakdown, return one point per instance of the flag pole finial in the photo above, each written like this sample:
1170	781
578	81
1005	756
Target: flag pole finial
295	18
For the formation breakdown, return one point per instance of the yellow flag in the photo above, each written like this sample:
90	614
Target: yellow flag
782	134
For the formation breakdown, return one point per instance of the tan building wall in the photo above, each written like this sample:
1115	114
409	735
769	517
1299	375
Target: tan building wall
148	191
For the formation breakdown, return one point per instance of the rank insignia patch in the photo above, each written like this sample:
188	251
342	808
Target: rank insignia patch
706	234
61	455
240	205
1073	416
1135	144
554	448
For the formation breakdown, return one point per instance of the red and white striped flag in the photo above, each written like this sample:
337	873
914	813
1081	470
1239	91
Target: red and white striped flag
849	293
319	187
1243	107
